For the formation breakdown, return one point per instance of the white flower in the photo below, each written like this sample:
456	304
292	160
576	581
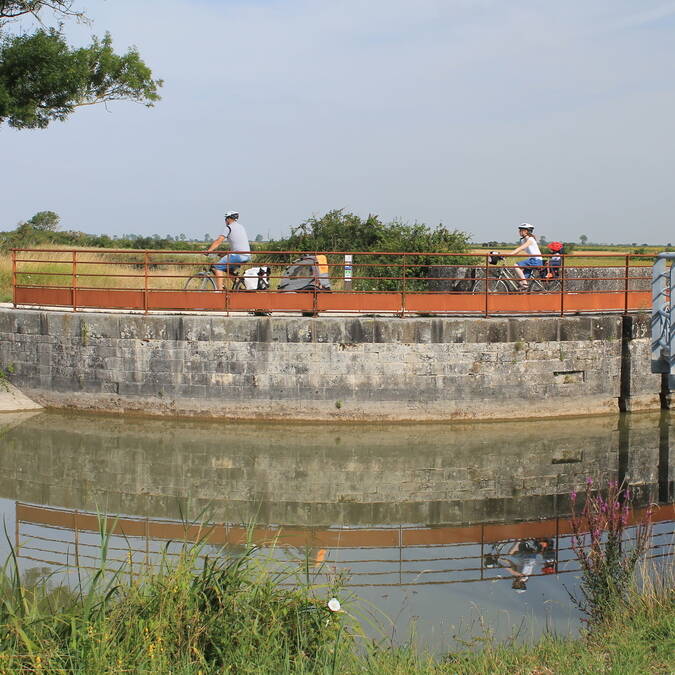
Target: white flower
334	605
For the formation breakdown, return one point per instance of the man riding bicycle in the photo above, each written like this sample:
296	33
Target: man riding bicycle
240	249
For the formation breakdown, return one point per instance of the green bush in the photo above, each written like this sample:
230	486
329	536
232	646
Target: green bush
347	232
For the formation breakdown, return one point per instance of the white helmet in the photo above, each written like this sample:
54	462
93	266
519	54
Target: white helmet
232	214
526	226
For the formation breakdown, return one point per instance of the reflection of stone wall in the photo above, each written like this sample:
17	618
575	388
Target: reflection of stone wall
330	368
319	475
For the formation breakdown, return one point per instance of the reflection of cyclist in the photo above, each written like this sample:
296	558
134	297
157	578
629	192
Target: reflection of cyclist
522	558
240	248
529	246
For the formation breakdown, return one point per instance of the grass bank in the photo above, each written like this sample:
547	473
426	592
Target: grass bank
230	615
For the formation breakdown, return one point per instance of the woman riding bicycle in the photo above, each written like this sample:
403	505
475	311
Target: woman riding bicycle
240	249
529	246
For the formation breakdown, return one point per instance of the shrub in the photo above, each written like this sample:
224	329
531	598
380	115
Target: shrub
600	543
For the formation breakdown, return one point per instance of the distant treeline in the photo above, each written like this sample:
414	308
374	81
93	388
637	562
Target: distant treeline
336	230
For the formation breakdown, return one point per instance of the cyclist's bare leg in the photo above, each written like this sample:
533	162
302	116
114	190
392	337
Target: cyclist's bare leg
220	278
522	281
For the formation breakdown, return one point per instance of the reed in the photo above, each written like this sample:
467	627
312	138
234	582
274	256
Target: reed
193	615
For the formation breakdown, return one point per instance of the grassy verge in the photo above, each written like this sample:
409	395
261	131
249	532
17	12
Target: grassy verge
229	615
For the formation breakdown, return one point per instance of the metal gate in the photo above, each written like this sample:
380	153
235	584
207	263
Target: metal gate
663	325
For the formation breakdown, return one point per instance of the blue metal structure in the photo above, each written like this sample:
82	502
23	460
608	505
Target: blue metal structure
663	317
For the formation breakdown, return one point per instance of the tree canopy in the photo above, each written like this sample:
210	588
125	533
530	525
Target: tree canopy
43	78
340	231
46	221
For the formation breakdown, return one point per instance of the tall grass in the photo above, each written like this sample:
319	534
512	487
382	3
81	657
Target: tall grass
225	614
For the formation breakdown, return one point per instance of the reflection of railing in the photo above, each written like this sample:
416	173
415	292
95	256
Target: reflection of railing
391	556
382	283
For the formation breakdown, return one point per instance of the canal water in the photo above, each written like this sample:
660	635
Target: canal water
425	525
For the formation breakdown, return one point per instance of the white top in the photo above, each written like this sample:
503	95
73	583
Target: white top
532	248
237	237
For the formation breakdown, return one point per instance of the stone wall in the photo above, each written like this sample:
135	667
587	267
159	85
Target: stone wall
331	368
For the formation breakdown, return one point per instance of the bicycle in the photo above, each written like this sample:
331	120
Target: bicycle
205	280
506	281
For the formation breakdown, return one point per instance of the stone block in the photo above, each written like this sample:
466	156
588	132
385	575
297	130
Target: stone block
487	331
194	328
96	326
359	330
148	327
328	330
542	329
28	323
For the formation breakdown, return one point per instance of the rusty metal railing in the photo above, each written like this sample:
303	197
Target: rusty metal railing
399	284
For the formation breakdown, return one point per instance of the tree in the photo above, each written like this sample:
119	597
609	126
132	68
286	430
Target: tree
258	237
43	79
583	239
340	231
45	221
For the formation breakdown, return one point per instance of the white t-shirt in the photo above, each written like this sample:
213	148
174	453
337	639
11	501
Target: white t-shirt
532	248
237	237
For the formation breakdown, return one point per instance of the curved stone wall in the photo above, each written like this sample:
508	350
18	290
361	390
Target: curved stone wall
331	368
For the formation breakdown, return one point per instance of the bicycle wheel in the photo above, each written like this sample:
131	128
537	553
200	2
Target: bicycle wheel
501	286
553	286
535	286
200	282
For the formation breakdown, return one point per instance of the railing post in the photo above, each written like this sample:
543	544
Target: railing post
145	286
486	274
562	285
14	277
74	282
625	284
403	289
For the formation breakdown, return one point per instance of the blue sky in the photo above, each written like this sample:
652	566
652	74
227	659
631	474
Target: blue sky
479	114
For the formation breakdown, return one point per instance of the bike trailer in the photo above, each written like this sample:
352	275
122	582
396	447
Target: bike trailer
257	278
307	273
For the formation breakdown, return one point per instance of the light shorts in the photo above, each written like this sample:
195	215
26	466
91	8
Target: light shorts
231	262
529	265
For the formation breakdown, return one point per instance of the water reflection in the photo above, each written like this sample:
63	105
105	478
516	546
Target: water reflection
321	475
414	517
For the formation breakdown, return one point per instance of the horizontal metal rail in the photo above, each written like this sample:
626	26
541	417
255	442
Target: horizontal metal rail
374	283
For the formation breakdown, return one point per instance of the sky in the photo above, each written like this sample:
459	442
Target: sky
477	114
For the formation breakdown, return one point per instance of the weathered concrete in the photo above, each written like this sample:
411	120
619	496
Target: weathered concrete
11	399
331	368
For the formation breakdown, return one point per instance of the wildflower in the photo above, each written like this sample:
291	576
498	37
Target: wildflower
334	605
